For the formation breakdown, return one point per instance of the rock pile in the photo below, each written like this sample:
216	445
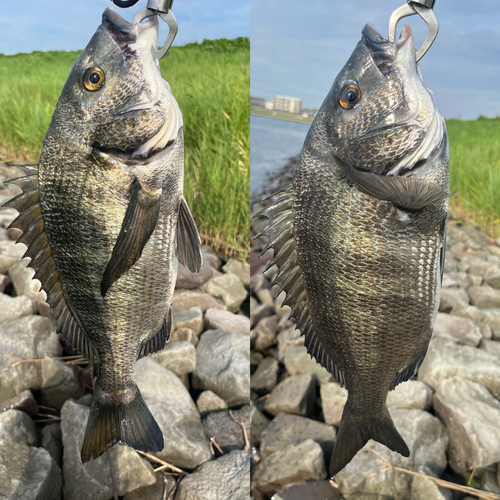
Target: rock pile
197	389
449	416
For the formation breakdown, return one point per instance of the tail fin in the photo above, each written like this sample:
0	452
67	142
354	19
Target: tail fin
131	423
354	433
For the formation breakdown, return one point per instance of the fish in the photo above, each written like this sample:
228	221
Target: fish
359	236
106	223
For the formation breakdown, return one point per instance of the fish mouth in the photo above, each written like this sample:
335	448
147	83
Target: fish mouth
126	35
384	52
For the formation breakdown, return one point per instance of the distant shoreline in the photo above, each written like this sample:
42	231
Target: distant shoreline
285	118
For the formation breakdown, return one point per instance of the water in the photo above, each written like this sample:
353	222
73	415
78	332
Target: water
272	142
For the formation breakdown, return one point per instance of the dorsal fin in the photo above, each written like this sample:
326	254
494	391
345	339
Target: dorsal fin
289	278
30	222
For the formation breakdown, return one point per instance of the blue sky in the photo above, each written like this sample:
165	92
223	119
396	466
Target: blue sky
297	49
29	25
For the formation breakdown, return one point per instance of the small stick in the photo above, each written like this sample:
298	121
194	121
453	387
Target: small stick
244	429
471	476
174	489
160	461
262	398
212	440
112	470
17	363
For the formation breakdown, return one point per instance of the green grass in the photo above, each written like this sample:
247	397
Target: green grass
211	82
475	171
281	115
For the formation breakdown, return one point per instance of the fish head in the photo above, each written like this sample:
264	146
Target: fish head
115	98
378	109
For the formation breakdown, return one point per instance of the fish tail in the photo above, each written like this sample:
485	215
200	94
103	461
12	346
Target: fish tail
131	423
354	433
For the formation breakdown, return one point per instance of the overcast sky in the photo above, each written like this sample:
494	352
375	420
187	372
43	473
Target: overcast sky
298	48
29	25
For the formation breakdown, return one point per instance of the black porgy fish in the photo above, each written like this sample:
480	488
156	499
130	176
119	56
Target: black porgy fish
359	238
105	222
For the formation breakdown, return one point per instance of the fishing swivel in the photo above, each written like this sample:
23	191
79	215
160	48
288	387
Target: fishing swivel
161	8
424	8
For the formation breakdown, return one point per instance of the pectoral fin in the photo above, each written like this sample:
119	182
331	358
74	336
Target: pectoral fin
188	239
138	225
405	192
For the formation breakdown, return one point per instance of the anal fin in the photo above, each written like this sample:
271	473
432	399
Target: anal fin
138	225
188	239
158	340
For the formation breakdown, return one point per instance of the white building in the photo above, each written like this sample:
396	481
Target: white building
287	104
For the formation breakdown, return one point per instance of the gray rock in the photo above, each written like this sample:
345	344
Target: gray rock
86	481
226	432
296	394
450	265
179	357
34	337
259	312
24	284
176	414
188	280
452	296
258	422
466	311
367	476
473	265
223	365
460	278
423	488
184	334
211	256
475	279
333	398
491	346
290	337
4	282
285	430
297	361
265	332
412	394
448	281
489	482
484	297
52	441
265	297
240	269
265	377
24	401
10	253
225	320
208	402
13	308
257	281
163	485
492	319
471	415
227	288
190	298
492	276
296	463
25	470
461	330
445	359
312	490
190	318
228	477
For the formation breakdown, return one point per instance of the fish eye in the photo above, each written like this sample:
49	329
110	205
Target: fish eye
349	96
93	79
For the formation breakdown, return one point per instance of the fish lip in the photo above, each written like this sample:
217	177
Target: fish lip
384	52
124	33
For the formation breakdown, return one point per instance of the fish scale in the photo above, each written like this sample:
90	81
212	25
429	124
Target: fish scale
362	259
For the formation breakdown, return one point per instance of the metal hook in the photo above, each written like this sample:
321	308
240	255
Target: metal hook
424	9
161	8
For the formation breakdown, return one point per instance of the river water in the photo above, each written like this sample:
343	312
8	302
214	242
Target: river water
272	142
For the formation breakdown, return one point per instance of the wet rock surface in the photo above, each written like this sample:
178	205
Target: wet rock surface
51	396
446	434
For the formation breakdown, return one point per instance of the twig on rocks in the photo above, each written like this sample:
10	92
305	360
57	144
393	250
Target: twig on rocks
262	398
174	490
214	443
471	476
441	482
112	471
160	461
244	429
17	363
53	419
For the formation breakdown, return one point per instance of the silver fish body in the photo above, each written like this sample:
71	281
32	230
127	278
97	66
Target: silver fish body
359	238
105	220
